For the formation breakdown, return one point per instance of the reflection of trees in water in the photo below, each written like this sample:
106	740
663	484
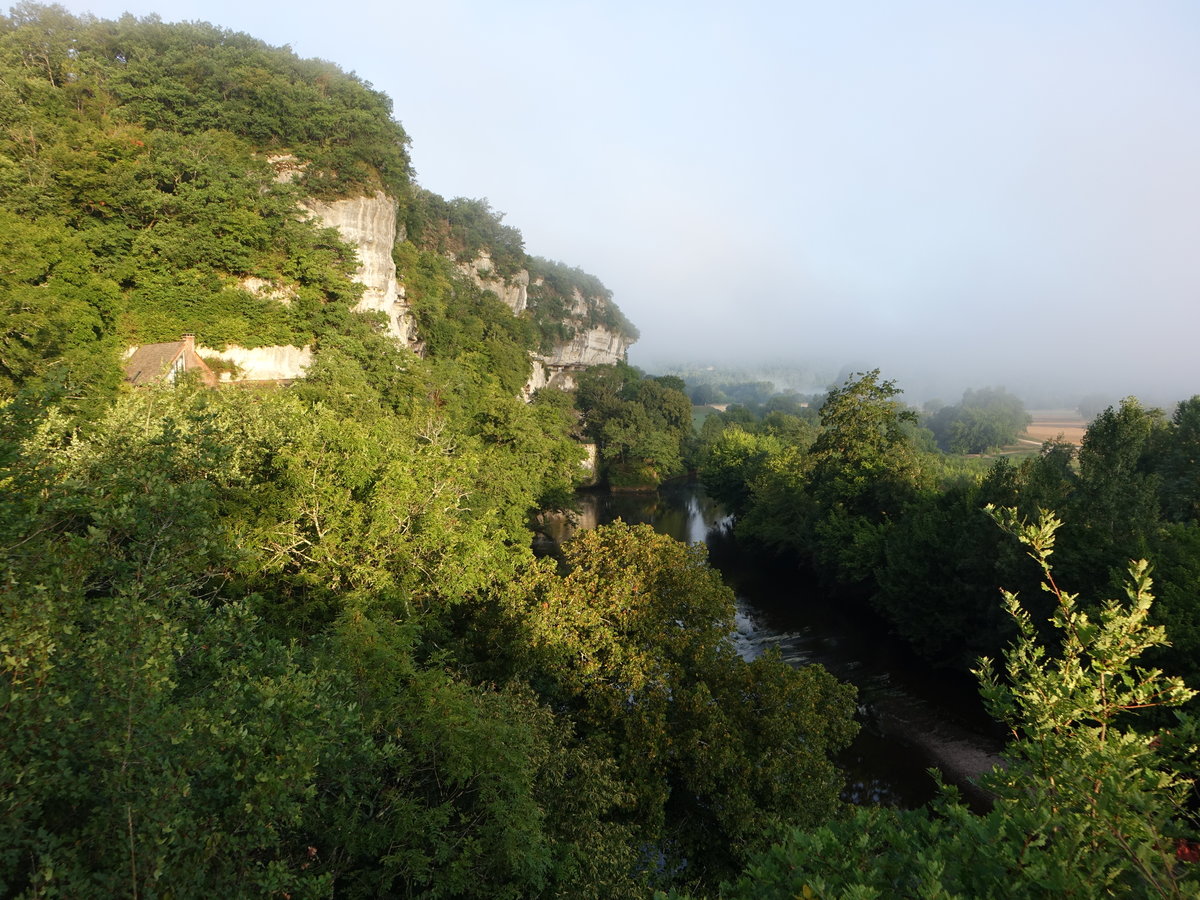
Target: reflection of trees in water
904	731
682	511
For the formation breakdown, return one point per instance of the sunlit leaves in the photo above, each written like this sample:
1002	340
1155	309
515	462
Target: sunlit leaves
633	641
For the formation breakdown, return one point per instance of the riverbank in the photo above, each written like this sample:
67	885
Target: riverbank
913	718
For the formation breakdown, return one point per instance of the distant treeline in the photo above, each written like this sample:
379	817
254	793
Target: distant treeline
293	642
856	489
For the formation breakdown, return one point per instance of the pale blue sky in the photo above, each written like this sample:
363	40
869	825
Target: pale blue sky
967	193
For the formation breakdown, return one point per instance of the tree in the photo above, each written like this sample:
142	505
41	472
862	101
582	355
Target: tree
706	393
223	667
640	424
1087	805
632	644
732	463
1113	512
1179	464
985	419
863	459
834	502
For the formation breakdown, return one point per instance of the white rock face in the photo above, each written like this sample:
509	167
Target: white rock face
538	378
369	223
287	167
279	363
590	461
514	292
260	287
593	347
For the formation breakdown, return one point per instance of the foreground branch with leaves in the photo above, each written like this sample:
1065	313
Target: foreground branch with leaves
1087	804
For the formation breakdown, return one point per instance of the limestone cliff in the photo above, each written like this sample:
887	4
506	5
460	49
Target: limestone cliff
588	333
279	363
582	329
514	292
596	346
369	224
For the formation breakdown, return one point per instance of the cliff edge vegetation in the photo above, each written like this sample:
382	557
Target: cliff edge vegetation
292	641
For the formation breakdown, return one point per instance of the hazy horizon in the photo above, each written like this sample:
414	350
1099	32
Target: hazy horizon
959	195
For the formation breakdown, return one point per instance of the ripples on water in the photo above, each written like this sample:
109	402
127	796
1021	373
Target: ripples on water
903	734
879	770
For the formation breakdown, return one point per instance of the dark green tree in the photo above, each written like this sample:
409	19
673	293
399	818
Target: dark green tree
984	420
1087	805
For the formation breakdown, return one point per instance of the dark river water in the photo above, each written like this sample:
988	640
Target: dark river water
913	719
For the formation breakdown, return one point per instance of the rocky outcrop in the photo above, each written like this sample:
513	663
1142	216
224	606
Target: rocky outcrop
539	378
596	346
590	347
279	363
541	375
369	223
513	292
261	287
591	461
287	167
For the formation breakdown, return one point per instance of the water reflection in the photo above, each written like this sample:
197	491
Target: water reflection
906	727
680	510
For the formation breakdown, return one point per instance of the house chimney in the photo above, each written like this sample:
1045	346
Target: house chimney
189	342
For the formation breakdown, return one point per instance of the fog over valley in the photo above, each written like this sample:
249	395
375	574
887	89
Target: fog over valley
959	195
540	450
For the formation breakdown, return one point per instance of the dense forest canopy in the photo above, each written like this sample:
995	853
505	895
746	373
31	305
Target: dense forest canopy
291	640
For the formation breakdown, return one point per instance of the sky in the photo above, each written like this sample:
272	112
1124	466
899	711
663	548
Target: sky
960	194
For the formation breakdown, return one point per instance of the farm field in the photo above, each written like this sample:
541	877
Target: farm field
1050	424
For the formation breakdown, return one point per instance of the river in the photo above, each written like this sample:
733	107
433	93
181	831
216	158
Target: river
913	718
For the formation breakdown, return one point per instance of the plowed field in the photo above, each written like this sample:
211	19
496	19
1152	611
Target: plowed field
1052	424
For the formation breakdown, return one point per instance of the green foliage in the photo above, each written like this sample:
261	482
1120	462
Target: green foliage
985	420
633	643
476	227
862	446
733	462
705	394
464	229
1113	801
938	584
640	424
835	501
459	321
1086	805
240	645
1113	507
216	608
874	512
139	192
57	313
1177	570
293	641
142	708
564	300
1179	465
195	77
